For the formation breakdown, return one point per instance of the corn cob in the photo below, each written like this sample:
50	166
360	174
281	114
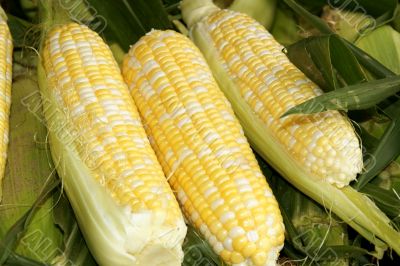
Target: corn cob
124	205
245	41
270	84
6	48
202	149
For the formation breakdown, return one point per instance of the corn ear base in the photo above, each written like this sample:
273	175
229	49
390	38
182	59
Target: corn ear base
360	212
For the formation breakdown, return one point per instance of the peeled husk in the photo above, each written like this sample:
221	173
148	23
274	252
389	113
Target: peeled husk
28	168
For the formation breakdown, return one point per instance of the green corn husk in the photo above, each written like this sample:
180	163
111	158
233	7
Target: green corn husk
389	178
316	229
383	44
354	208
29	7
74	249
261	10
349	25
396	20
28	168
384	189
79	10
284	28
118	52
374	126
198	251
223	3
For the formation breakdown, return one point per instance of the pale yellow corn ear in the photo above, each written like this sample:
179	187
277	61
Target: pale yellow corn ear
234	46
6	49
202	149
122	200
325	144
